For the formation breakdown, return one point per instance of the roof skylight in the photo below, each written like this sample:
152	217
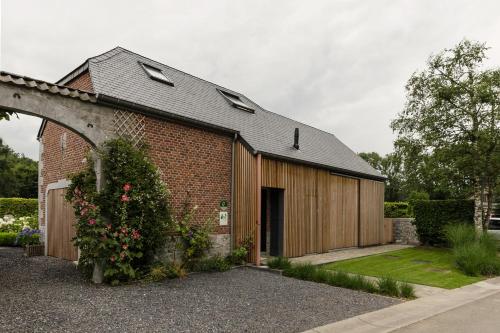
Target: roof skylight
157	74
236	101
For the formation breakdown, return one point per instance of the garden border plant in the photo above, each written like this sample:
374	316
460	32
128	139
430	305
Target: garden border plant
306	271
122	226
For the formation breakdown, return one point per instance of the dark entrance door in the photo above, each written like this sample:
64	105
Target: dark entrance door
272	218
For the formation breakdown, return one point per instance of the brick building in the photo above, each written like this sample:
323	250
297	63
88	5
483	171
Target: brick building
289	187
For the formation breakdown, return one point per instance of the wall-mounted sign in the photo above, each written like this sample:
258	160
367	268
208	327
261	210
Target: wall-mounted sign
222	218
223	204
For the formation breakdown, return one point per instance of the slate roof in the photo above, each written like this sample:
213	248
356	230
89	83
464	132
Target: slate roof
119	74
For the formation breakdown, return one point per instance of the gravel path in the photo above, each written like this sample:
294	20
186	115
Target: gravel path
43	294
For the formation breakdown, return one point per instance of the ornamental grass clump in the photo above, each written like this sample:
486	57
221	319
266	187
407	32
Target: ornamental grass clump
474	253
122	226
388	286
279	263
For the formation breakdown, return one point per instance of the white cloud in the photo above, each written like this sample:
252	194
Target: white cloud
337	65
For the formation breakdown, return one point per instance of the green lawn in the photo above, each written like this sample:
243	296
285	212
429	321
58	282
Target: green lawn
428	266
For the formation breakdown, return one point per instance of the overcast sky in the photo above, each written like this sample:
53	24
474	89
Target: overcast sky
340	66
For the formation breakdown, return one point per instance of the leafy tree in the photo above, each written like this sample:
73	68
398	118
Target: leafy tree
6	115
450	123
390	166
18	174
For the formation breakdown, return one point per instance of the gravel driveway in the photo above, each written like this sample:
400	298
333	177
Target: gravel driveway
46	294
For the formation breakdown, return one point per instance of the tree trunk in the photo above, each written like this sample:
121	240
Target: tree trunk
478	207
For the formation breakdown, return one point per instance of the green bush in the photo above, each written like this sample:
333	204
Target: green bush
432	216
279	263
238	256
18	207
28	237
8	223
396	209
8	238
124	224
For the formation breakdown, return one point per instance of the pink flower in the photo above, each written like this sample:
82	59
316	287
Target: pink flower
122	255
124	246
92	221
113	258
84	212
125	198
136	234
108	226
127	187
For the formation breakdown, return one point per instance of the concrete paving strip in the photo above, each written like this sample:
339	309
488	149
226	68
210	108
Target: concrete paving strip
408	313
344	254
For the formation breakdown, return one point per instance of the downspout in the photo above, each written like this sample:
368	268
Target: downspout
259	208
232	190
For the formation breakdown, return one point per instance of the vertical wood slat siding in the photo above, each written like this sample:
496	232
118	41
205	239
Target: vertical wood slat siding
388	231
371	219
60	224
320	209
245	204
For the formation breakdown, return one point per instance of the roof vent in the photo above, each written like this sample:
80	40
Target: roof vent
296	138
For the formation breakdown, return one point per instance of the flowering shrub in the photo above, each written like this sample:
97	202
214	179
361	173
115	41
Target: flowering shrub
194	238
11	224
123	225
28	236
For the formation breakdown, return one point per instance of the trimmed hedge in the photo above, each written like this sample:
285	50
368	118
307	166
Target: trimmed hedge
431	216
396	209
8	238
18	207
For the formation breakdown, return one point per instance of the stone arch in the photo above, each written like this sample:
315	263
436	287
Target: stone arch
74	109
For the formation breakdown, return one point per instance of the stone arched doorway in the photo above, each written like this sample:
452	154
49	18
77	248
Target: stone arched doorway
72	109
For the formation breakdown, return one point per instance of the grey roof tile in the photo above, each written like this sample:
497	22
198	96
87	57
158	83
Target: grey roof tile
118	74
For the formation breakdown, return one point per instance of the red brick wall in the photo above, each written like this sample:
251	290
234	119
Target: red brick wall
193	162
82	82
57	162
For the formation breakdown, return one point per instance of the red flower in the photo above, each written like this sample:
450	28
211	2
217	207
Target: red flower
124	246
113	258
92	221
125	198
127	187
136	234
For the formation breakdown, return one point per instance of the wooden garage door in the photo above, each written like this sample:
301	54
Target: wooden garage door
60	229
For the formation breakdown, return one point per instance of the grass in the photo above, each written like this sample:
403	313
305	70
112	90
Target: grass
420	265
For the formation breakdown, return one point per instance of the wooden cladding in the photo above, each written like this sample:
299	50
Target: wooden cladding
245	197
60	226
371	212
322	211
